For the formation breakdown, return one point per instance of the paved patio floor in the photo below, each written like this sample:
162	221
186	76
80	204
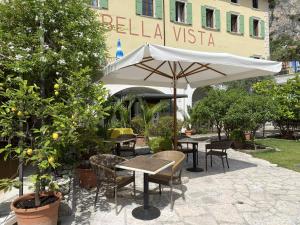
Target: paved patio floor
251	192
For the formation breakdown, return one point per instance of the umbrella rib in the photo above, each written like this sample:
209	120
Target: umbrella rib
182	73
150	69
156	69
192	71
186	69
217	71
173	73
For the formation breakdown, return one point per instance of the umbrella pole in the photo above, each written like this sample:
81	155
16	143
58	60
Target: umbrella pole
175	108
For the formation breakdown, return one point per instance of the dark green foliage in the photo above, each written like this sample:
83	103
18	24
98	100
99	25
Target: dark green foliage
164	127
137	125
285	48
160	144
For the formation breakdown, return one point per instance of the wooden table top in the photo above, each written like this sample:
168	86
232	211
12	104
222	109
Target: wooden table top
145	164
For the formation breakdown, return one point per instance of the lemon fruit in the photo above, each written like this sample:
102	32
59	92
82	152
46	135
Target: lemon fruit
20	114
55	136
13	109
29	151
56	93
56	86
51	160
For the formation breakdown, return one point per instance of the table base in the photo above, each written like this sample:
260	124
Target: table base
194	169
146	214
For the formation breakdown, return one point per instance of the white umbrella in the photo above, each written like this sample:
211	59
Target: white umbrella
155	65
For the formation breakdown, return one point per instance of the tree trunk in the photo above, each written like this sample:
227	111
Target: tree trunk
219	133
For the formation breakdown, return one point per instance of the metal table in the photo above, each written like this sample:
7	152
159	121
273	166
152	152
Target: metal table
146	165
194	142
118	142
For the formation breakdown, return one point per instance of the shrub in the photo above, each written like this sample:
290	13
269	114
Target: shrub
237	135
158	144
164	127
137	125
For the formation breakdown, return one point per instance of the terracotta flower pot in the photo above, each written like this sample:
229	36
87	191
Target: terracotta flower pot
44	215
87	177
188	133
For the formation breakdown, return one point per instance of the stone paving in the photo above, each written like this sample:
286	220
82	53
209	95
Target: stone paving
251	192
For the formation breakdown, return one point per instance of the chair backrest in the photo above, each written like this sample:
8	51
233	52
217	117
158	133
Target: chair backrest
172	155
223	145
103	165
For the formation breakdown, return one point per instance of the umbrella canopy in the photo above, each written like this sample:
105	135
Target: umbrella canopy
152	65
155	65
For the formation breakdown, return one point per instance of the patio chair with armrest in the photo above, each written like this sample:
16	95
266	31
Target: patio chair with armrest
217	148
171	175
108	177
185	147
128	146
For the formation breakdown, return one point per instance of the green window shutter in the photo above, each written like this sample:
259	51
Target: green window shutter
104	4
217	19
139	7
203	16
228	21
189	11
262	29
241	24
251	28
158	9
172	10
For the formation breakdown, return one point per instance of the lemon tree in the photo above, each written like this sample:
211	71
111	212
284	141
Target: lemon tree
51	53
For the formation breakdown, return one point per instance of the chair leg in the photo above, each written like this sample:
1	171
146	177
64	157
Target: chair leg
159	186
97	192
227	162
182	192
211	160
134	191
171	199
116	203
223	163
206	162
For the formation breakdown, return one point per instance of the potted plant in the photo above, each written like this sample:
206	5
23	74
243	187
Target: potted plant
22	117
90	145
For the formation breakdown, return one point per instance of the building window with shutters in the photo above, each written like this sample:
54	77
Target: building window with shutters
210	18
100	4
148	8
235	23
255	4
151	8
257	27
181	11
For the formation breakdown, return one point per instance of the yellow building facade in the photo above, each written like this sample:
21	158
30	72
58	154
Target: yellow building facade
232	26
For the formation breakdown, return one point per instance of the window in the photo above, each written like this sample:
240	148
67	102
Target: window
101	4
95	3
255	4
255	28
234	1
180	12
234	23
210	18
147	8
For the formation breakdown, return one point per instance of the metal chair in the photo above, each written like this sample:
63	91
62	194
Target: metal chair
108	177
217	148
171	175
